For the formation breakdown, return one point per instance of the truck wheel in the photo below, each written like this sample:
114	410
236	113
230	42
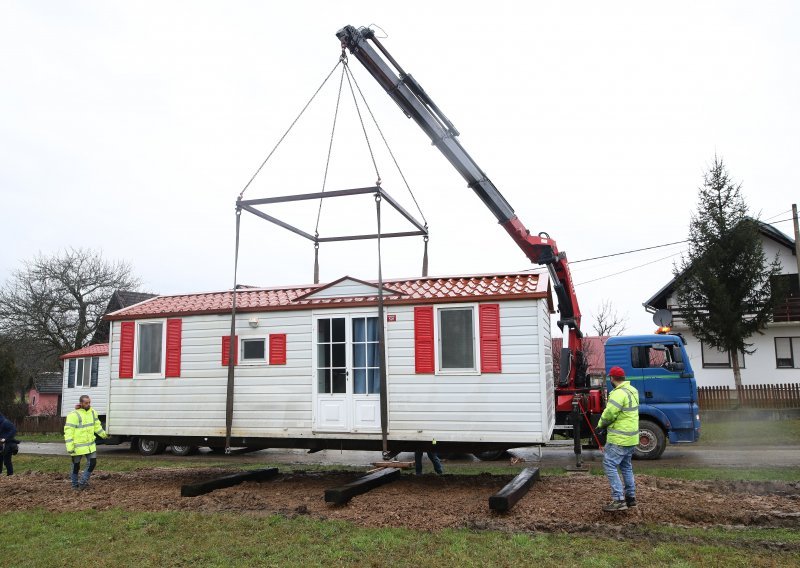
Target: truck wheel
150	447
179	450
652	441
491	455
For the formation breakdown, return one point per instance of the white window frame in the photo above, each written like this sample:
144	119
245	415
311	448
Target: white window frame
476	369
703	346
80	363
352	343
258	362
794	353
137	344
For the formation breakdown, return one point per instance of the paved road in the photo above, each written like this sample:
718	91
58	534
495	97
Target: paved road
683	455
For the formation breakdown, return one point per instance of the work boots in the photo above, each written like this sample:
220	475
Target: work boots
630	501
615	506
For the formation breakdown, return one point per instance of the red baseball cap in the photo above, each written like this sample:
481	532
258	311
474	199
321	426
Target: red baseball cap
616	372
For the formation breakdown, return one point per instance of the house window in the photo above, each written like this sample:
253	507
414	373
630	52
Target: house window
787	352
254	350
713	358
366	362
456	327
83	369
83	372
151	348
331	355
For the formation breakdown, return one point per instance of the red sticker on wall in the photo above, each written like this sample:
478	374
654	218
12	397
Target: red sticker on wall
391	317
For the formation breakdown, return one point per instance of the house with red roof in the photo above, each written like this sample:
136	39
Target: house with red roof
467	360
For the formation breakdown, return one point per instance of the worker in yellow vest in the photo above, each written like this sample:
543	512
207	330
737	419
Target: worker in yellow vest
79	432
620	420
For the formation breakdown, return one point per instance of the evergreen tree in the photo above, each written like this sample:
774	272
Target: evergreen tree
724	284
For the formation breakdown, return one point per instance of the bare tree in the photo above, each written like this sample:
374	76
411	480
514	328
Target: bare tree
54	303
608	321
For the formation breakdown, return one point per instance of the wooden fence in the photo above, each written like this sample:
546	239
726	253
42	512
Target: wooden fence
749	396
43	424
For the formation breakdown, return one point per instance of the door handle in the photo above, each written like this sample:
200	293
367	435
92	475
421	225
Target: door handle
648	394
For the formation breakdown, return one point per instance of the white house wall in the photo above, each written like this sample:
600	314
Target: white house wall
760	367
99	394
277	400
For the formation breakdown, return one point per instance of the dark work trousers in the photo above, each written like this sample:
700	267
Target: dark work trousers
434	457
7	449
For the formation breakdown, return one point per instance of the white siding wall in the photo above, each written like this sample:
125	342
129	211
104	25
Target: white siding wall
276	401
546	367
507	406
269	400
760	367
346	289
99	394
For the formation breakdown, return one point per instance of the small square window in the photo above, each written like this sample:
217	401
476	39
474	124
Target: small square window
253	349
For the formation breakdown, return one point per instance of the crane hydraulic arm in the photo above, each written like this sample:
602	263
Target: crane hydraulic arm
541	249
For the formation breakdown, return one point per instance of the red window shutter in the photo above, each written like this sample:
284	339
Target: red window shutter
173	366
277	349
423	339
226	350
127	331
490	338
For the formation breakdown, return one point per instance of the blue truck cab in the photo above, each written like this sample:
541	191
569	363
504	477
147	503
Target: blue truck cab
658	367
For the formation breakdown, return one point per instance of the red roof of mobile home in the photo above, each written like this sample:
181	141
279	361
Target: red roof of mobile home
96	350
396	292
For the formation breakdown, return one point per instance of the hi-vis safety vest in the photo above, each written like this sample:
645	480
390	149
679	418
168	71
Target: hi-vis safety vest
80	429
621	416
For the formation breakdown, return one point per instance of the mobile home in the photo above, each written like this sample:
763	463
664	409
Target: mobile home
468	364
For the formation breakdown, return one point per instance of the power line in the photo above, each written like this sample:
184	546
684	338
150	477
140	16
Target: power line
629	269
627	252
778	215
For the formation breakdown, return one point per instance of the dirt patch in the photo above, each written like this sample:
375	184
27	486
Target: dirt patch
556	504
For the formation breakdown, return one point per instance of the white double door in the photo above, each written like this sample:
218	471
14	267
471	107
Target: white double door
346	373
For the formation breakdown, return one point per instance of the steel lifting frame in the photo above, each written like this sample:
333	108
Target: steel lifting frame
249	205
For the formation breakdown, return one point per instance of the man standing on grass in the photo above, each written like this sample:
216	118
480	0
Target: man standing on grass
620	419
79	431
7	433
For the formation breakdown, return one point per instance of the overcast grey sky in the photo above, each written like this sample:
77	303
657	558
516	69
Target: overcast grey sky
133	126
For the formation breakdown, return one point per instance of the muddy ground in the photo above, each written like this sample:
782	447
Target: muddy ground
555	504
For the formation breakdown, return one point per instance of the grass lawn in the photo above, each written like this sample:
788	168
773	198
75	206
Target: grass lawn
120	538
40	438
750	433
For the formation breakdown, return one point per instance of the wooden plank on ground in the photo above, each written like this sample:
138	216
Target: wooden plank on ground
341	495
508	496
195	489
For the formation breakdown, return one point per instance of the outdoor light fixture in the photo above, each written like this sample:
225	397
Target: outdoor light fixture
253	321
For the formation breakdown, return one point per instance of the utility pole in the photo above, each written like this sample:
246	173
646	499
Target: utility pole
796	238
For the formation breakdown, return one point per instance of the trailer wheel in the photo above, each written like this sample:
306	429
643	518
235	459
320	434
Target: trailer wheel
491	455
150	447
652	441
180	450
